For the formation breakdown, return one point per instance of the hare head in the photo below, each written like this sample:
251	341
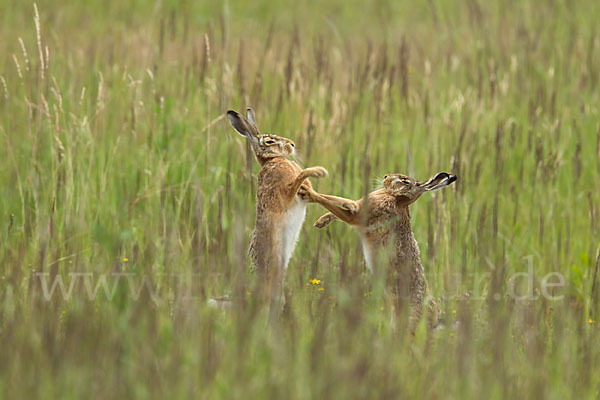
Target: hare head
265	146
409	189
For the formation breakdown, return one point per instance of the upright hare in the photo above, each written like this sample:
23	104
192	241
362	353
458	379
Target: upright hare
283	192
383	220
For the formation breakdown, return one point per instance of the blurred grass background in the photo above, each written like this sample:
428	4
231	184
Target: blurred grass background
115	162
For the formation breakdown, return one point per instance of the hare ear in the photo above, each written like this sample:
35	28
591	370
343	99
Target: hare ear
252	118
439	181
241	125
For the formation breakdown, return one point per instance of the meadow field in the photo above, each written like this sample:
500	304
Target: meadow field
127	201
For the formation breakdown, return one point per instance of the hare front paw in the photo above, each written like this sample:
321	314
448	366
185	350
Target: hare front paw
317	172
304	193
324	221
350	206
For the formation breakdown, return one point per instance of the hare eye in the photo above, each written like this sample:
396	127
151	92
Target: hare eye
406	182
269	142
385	177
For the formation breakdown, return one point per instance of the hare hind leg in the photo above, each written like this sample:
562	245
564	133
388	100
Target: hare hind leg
421	298
401	300
276	296
418	297
433	313
267	258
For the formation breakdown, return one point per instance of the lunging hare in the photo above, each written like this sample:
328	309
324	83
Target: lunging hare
283	192
383	220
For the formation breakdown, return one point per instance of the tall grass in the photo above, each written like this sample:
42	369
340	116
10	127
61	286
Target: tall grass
117	164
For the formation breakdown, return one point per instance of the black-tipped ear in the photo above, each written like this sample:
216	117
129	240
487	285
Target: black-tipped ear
439	181
240	124
252	118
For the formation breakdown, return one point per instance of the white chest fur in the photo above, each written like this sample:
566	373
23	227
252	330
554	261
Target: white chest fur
367	252
290	229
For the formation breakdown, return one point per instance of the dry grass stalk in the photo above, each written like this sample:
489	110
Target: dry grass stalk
39	39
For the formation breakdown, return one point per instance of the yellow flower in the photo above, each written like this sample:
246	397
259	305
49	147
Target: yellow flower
126	259
315	281
321	289
451	334
591	321
453	311
381	308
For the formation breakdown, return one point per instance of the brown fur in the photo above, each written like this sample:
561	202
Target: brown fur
383	221
283	191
